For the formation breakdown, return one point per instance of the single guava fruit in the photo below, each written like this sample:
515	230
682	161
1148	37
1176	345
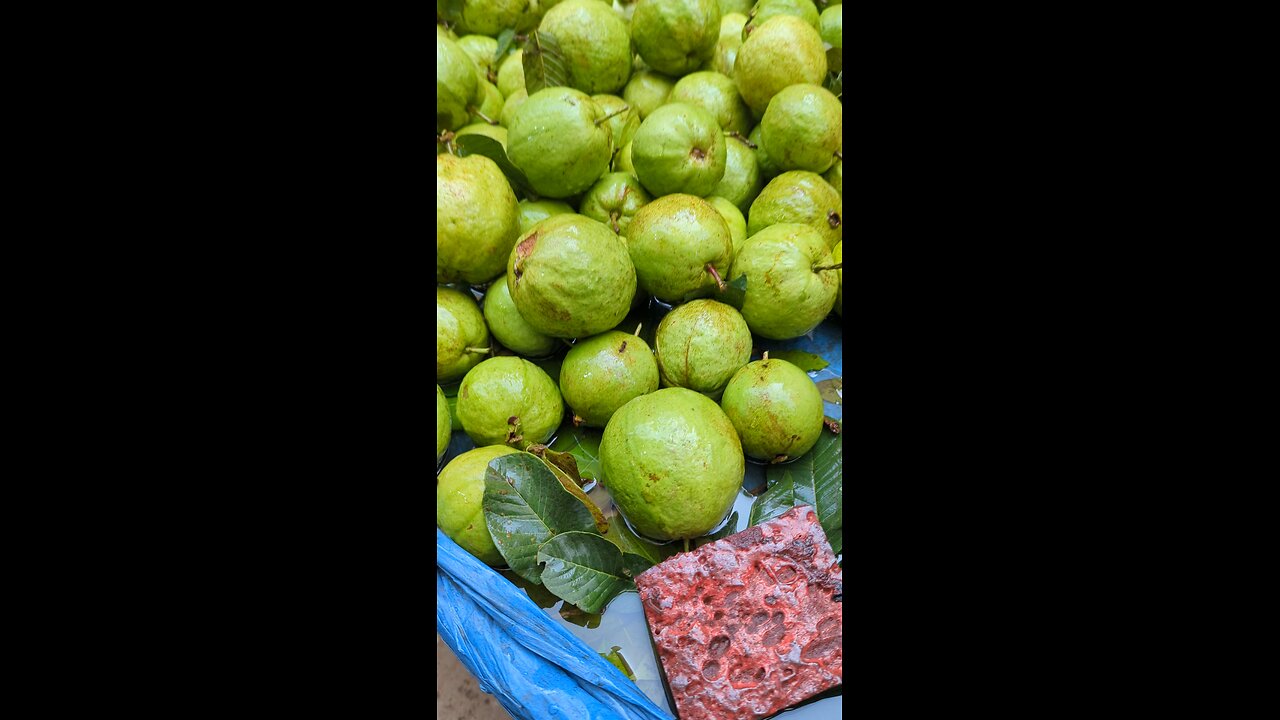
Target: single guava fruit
509	401
716	94
510	105
460	502
768	169
726	50
444	424
741	7
509	328
836	258
559	139
490	17
623	120
776	408
602	373
672	463
511	74
830	25
733	220
455	84
679	245
791	286
622	161
489	110
594	42
781	52
472	246
647	91
741	182
570	277
766	10
679	148
700	345
497	132
803	128
481	49
835	176
675	36
799	197
614	201
532	212
462	338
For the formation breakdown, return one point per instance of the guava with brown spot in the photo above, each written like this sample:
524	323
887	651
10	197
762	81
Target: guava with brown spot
615	200
679	148
675	37
594	42
560	140
602	373
700	345
791	281
783	51
776	409
509	401
472	246
459	502
681	248
802	197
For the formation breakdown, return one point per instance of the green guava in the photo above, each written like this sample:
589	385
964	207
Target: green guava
647	91
741	182
700	345
766	10
489	110
623	119
622	161
571	277
803	128
679	148
783	51
675	36
830	25
679	245
481	49
511	105
462	338
835	176
733	219
776	408
614	201
741	7
509	401
726	50
559	139
768	169
472	246
490	17
459	502
595	44
836	256
455	84
672	463
532	212
511	74
497	132
602	373
799	197
716	94
444	424
791	286
509	328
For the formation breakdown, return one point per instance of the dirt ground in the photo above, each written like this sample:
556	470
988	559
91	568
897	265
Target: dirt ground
458	695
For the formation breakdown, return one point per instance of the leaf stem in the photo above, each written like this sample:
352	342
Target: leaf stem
613	114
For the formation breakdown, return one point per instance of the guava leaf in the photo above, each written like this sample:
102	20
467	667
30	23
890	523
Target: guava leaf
615	658
807	362
720	534
584	569
572	488
524	506
631	544
735	292
633	565
583	444
544	65
834	61
832	390
835	83
505	39
815	479
492	149
541	596
455	423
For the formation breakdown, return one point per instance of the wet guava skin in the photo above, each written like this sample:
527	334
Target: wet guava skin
532	212
679	148
672	240
472	246
595	43
504	387
460	502
783	51
776	409
733	219
672	463
459	325
614	200
455	84
553	138
700	345
836	256
802	128
741	182
509	328
801	197
571	277
602	373
785	298
675	37
444	424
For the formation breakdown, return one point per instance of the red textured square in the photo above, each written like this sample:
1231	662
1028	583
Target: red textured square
750	625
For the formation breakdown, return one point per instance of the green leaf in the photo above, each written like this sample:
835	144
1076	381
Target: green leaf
583	444
633	565
631	544
454	422
584	569
505	39
807	362
834	61
492	149
544	64
615	658
815	479
720	534
735	292
524	506
541	596
575	490
832	390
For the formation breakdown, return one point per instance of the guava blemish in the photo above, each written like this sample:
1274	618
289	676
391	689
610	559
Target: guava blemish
698	153
833	218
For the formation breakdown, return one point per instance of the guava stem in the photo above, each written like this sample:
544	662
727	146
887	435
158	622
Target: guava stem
686	544
484	117
738	135
577	421
839	156
719	283
613	220
637	332
478	350
832	425
778	459
766	354
447	137
615	113
837	266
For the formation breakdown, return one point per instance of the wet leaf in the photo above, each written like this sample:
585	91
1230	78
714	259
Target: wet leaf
832	390
525	506
815	479
720	534
540	596
735	292
544	64
631	544
575	490
633	565
574	614
615	658
584	569
492	149
505	39
583	444
807	362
